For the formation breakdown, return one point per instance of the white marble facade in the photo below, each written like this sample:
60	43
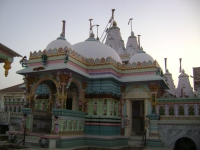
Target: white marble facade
169	134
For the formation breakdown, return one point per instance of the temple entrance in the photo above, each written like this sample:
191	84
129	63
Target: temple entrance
184	144
72	97
138	117
69	103
44	100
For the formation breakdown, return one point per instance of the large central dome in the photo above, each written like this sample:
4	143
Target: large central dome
92	48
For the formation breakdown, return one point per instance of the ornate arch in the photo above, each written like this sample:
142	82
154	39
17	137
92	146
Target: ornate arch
44	79
137	91
78	86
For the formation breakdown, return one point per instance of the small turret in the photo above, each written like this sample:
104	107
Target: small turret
132	45
114	39
184	88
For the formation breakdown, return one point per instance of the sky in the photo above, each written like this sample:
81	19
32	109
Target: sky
168	28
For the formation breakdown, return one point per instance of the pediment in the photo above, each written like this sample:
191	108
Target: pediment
137	92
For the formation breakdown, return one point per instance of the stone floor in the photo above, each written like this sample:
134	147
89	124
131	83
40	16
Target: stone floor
147	148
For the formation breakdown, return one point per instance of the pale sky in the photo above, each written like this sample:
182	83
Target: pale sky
168	28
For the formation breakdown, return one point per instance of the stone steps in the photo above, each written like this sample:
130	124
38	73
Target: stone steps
30	141
135	141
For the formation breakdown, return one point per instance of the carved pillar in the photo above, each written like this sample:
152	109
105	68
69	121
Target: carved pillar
186	110
123	117
196	110
29	80
145	107
146	114
128	128
166	110
81	102
64	80
122	114
64	96
74	99
157	109
154	89
176	110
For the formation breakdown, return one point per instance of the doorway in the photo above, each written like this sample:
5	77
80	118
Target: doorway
138	117
69	103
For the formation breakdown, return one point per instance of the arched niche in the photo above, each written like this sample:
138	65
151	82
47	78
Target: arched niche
185	143
43	97
73	96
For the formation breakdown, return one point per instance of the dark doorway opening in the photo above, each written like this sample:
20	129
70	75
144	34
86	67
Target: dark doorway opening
69	103
138	117
185	144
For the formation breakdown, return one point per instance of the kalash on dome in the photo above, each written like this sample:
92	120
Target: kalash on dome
101	96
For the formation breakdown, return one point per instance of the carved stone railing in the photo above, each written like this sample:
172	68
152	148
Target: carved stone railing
67	122
153	117
179	122
68	113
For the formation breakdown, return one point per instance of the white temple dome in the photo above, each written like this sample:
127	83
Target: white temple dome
92	48
59	43
141	56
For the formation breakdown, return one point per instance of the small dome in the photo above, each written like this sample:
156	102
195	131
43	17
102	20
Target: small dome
141	56
95	49
58	43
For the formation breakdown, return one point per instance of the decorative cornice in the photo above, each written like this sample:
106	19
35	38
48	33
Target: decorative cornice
69	113
94	62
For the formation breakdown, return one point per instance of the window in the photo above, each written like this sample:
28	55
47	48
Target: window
181	111
191	110
162	110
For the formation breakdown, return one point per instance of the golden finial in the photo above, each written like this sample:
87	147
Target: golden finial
114	23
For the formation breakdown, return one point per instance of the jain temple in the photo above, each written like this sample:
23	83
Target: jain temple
100	94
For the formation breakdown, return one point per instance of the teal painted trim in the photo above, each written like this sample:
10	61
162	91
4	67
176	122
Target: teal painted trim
105	86
92	39
100	142
69	113
154	117
102	130
103	117
154	143
61	38
3	56
178	100
27	111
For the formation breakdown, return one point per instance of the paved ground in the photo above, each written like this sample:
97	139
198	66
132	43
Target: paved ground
147	148
157	148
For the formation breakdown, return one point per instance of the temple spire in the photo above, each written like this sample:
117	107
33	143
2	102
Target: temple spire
63	29
139	40
180	59
130	21
165	65
112	17
97	32
91	26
